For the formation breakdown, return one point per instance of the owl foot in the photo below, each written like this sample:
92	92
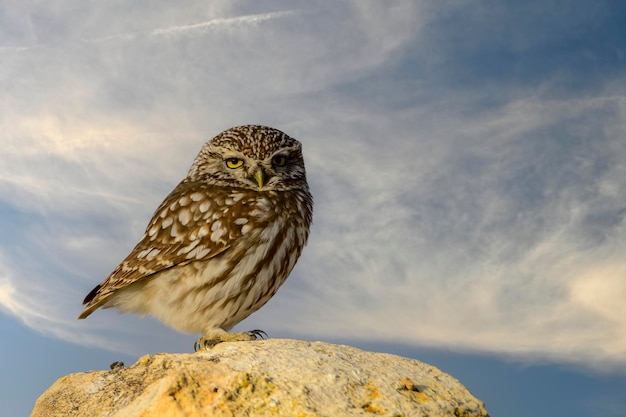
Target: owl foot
210	340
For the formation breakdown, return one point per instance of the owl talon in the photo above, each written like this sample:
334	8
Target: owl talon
209	341
257	334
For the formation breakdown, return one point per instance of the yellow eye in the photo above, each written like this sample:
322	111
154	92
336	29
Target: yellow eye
279	160
234	163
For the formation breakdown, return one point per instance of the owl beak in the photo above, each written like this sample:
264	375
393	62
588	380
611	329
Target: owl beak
259	176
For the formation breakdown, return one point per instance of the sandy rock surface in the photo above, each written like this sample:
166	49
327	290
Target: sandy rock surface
263	378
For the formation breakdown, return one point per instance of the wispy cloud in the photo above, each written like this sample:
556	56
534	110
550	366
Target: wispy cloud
233	21
218	23
485	216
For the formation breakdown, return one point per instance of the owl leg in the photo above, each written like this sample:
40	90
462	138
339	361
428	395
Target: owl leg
208	341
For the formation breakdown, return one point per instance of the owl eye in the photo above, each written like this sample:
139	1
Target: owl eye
234	163
279	160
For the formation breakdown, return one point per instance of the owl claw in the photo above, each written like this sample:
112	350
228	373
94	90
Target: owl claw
257	334
209	341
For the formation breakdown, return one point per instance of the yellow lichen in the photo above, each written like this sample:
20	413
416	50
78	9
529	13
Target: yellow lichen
144	360
373	408
371	390
420	397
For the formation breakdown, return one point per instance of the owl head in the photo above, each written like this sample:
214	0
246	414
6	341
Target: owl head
253	157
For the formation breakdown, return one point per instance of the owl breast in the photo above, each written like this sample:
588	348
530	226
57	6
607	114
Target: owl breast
263	235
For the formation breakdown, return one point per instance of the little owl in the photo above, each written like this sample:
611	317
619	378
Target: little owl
222	242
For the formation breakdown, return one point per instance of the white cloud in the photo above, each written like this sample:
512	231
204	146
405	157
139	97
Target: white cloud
438	220
487	247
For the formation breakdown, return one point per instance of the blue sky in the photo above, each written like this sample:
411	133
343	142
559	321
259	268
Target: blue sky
468	162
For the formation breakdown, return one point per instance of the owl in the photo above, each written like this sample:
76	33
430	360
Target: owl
222	242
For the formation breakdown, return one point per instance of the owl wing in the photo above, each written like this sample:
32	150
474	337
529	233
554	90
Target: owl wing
196	221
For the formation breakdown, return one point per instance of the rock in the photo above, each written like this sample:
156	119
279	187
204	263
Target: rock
270	377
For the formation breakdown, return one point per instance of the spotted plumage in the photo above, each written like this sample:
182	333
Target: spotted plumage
222	242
